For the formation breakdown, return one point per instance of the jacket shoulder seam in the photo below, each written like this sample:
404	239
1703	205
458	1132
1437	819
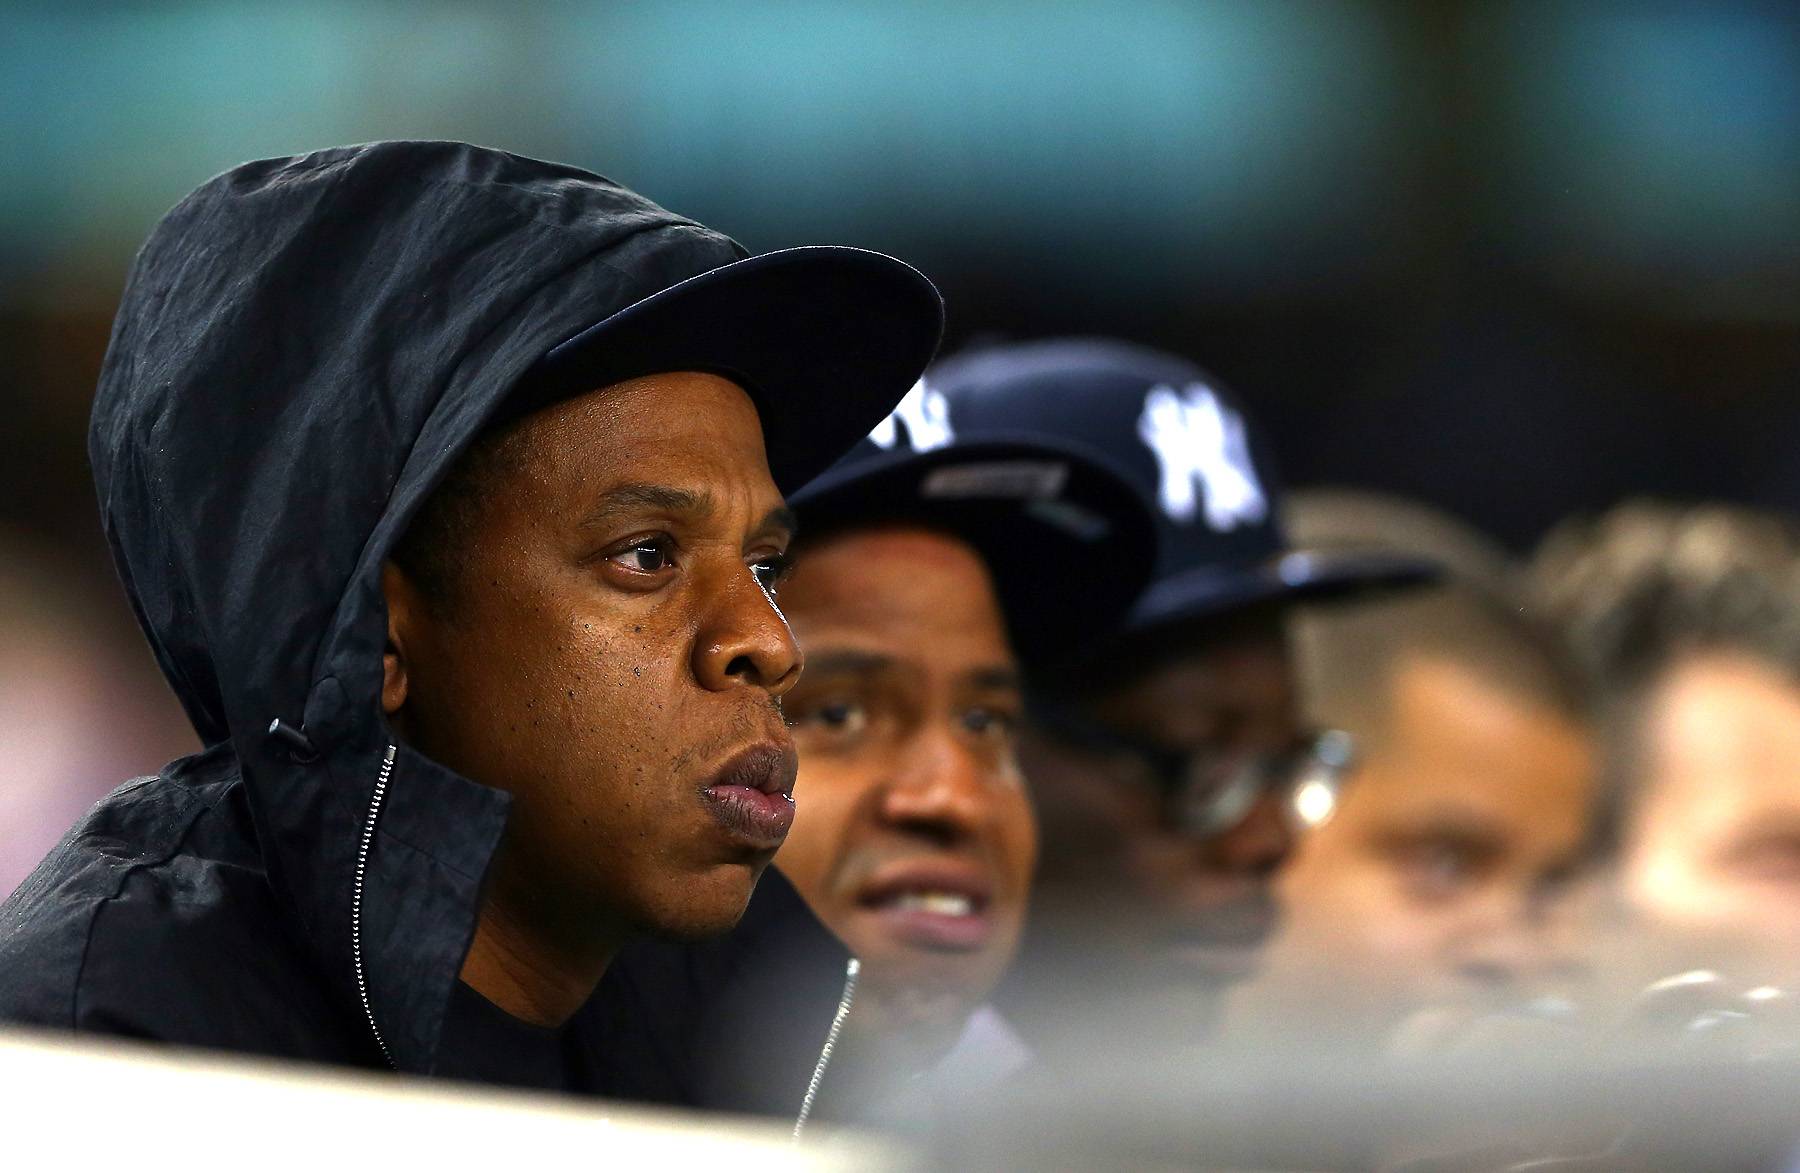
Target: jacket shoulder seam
195	809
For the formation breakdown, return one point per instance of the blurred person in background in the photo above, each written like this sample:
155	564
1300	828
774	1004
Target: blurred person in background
1171	767
463	568
1444	879
938	563
1685	622
79	703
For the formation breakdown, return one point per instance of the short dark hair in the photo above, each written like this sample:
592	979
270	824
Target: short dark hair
1635	590
1647	583
433	549
1351	652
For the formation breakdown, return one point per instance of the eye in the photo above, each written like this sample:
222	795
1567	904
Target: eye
986	720
1773	858
835	718
1439	869
842	715
648	555
771	572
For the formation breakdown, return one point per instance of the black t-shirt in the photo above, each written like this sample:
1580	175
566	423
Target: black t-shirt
734	1024
484	1044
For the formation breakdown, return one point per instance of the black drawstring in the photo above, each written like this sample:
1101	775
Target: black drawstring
300	747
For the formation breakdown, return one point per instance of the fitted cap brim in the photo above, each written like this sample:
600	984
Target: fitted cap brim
1299	576
1066	540
824	338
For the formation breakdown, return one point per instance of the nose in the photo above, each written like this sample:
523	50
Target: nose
1500	959
1257	846
744	640
941	790
1503	943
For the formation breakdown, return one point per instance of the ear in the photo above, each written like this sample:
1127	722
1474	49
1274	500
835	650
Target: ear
403	612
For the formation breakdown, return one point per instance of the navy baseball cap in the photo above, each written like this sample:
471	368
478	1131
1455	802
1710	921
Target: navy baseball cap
1192	455
824	338
1069	543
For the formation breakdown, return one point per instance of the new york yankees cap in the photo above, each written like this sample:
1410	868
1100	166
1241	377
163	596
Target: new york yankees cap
1068	542
1191	453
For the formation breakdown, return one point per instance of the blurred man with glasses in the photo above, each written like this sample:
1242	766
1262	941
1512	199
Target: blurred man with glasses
1178	780
1170	763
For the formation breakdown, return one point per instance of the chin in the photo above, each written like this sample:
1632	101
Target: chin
1216	965
708	905
899	1004
968	978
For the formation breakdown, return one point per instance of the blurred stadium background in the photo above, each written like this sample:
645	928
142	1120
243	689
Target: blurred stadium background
1515	259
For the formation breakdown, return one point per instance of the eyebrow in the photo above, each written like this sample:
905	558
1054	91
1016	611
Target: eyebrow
781	518
624	498
856	663
998	676
1466	830
847	663
695	505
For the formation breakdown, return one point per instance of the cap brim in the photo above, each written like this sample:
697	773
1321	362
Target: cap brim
1300	576
824	338
1067	541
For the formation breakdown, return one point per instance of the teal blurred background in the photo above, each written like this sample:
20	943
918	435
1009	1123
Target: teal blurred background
1402	228
1516	259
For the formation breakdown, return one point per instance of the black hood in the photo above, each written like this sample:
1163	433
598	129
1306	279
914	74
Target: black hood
304	347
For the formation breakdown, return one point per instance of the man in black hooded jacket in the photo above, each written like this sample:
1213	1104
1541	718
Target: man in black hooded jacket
446	487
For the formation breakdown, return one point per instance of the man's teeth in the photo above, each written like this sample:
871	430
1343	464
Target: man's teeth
937	903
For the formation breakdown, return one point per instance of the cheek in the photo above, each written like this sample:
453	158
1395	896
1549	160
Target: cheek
1019	842
824	832
590	701
613	673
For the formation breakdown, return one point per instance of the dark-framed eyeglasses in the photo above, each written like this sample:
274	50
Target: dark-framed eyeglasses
1208	791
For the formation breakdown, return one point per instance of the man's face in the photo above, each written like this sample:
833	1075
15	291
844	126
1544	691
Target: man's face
1714	842
1441	868
915	839
610	656
1202	902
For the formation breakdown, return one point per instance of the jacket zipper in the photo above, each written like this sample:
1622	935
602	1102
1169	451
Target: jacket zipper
853	968
362	863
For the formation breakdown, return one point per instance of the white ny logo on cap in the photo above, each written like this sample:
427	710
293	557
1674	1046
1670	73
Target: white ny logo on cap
926	414
1204	457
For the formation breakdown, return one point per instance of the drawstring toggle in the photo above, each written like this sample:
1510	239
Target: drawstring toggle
299	745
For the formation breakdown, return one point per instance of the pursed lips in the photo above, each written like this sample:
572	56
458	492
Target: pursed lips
752	795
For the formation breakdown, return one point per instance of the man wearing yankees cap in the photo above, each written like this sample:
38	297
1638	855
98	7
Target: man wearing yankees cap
1171	765
944	560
